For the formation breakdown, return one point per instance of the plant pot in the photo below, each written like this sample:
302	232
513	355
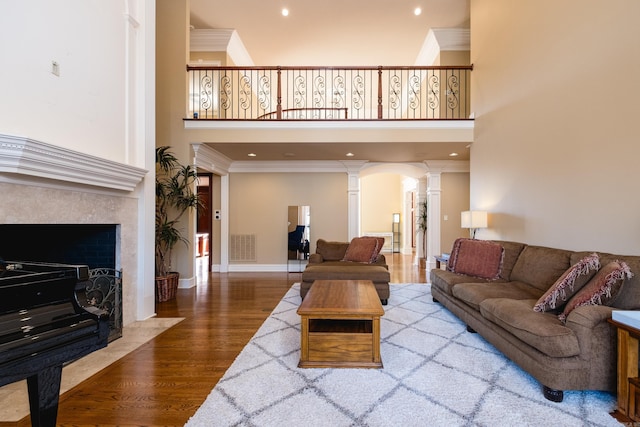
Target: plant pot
166	287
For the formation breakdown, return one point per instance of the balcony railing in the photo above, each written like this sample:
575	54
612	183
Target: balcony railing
329	93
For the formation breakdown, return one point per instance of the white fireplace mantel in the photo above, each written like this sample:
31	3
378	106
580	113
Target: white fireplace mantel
28	157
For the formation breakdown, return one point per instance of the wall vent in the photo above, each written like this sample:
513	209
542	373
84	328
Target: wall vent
242	247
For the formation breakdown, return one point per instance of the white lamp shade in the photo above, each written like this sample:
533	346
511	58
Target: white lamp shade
396	218
473	219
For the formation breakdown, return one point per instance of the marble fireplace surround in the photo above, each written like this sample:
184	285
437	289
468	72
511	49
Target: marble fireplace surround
45	184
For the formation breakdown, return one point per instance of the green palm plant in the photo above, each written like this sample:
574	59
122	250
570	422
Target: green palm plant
175	196
422	225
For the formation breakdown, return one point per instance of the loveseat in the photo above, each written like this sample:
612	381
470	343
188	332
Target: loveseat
546	309
359	259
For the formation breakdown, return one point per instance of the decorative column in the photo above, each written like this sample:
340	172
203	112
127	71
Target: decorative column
433	217
421	194
353	195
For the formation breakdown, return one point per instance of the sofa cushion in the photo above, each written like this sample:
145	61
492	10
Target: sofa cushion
345	270
446	280
474	293
478	258
569	283
331	251
543	331
602	289
540	266
510	255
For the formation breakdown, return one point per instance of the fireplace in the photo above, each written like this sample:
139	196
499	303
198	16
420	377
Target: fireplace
62	204
92	244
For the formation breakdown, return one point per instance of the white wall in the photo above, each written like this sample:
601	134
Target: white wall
555	95
100	105
83	108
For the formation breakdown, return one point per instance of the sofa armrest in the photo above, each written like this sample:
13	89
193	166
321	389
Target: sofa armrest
380	260
588	316
596	337
315	259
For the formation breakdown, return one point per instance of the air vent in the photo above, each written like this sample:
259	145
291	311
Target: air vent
242	247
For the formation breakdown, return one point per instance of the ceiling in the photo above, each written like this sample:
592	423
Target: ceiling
334	33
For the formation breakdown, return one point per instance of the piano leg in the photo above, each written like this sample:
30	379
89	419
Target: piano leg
44	394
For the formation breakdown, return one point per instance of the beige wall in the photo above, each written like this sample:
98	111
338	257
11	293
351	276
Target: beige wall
454	199
555	94
172	20
258	203
381	196
454	57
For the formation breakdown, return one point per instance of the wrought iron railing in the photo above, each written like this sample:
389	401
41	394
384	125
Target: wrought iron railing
329	93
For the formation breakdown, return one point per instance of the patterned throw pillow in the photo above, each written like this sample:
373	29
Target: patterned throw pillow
569	283
362	249
478	258
602	289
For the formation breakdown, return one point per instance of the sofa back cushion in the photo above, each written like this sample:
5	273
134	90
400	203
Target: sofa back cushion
540	266
331	251
510	255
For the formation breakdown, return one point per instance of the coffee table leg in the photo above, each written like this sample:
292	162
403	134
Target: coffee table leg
304	339
376	340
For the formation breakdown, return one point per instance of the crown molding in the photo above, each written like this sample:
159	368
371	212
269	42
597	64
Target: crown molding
220	40
211	160
443	39
30	158
447	166
209	40
453	38
296	166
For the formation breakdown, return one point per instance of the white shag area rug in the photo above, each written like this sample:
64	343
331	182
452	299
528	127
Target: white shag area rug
435	374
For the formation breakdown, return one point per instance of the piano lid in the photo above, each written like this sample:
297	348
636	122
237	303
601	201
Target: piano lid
33	284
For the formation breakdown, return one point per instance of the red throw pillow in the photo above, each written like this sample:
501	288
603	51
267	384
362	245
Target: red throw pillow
478	258
602	289
362	249
569	283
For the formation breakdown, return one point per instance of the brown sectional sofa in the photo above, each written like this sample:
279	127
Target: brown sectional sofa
327	264
577	355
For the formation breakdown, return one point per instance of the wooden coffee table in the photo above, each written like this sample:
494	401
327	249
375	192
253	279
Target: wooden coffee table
341	325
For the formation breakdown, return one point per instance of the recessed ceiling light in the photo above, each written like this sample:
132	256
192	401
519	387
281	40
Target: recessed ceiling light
285	11
417	11
350	154
453	154
252	154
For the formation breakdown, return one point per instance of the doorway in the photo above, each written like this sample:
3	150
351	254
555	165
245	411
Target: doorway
204	222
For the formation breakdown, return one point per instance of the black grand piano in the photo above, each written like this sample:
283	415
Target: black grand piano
42	327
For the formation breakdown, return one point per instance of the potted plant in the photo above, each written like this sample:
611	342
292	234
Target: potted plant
422	226
175	196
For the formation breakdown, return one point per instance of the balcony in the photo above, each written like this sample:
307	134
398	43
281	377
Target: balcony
328	93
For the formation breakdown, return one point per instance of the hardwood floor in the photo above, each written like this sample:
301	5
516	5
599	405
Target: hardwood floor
165	381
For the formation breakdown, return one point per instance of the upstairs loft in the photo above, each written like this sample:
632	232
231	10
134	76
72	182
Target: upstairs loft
375	104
